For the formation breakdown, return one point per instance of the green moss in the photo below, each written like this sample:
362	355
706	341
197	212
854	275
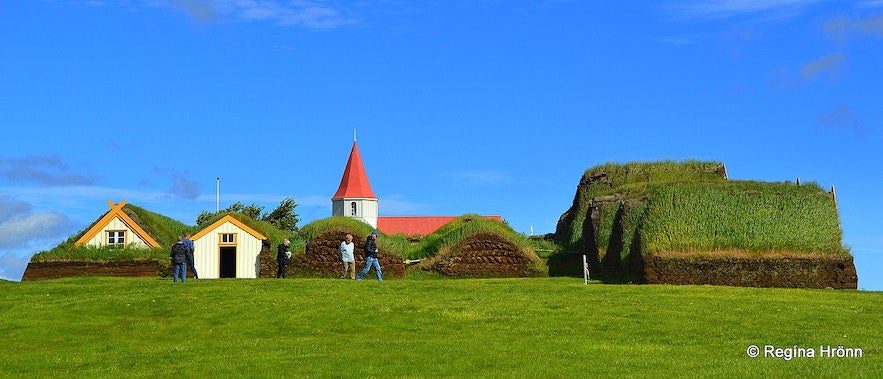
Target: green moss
746	216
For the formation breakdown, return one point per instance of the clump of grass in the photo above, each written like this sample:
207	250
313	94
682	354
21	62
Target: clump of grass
743	215
69	252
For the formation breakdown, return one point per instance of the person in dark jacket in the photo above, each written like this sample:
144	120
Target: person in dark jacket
283	257
179	260
371	260
190	265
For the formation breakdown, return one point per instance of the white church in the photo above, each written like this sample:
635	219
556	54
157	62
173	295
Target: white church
355	198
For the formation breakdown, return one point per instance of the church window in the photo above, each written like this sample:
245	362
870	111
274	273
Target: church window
353	209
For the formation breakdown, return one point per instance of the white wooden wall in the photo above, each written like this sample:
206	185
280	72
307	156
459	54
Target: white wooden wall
207	253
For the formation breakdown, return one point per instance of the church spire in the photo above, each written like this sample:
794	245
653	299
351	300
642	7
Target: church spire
354	183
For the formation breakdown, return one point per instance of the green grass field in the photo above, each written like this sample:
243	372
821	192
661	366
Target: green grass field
422	327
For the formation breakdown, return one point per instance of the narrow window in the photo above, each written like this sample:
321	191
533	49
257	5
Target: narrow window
353	208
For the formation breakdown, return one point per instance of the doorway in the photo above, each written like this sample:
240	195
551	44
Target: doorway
228	262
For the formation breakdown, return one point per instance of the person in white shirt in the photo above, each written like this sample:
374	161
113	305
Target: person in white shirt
346	256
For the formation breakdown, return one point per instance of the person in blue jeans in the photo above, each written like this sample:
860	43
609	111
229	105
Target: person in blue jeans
371	257
189	244
179	259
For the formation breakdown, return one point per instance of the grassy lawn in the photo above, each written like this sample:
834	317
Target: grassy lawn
538	327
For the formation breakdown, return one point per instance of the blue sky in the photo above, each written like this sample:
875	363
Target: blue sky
492	107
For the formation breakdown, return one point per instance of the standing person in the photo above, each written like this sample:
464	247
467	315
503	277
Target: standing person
189	244
179	259
283	256
371	257
347	248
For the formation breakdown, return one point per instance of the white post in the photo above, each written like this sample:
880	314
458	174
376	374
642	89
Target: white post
834	195
218	196
585	271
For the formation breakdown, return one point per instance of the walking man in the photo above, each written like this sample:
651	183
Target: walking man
347	248
371	257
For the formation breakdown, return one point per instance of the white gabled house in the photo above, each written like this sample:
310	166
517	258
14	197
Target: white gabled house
227	249
116	228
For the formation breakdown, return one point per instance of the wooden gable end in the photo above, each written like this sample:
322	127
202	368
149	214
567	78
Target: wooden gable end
228	218
112	219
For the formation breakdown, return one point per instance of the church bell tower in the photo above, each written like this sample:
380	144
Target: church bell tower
354	198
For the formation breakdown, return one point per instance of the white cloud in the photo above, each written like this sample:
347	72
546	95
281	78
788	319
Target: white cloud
480	177
842	118
41	170
182	187
720	9
17	231
23	232
19	226
12	266
827	67
872	3
394	205
840	27
309	14
830	64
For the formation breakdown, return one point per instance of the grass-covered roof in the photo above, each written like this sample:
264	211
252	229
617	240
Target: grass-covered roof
163	229
691	206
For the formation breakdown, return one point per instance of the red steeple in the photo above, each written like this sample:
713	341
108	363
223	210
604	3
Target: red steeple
355	181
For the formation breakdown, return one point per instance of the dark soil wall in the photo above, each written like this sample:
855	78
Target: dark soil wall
54	270
322	257
484	255
819	272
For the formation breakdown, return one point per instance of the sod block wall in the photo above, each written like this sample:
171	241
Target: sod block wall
484	255
67	269
789	272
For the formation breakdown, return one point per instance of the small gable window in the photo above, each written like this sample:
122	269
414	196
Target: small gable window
116	237
353	208
228	238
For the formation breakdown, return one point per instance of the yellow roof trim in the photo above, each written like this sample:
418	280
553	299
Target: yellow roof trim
116	210
234	221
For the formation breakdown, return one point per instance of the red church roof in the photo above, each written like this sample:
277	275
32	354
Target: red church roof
355	181
417	225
